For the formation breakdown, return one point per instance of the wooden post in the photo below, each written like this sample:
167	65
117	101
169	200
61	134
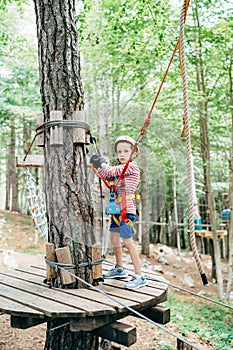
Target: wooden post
64	257
118	332
51	256
56	132
183	346
96	252
87	134
40	137
79	134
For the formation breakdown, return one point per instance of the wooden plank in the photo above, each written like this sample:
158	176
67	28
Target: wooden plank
157	283
90	307
152	289
56	131
64	257
40	137
79	134
96	252
33	161
88	294
13	308
118	332
25	322
209	234
144	300
51	309
51	256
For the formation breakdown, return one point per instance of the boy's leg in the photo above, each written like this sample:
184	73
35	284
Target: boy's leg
116	244
118	271
133	252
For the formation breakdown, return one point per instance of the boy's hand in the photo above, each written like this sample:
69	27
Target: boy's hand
97	161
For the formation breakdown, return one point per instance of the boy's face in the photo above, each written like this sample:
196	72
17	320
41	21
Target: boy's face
123	151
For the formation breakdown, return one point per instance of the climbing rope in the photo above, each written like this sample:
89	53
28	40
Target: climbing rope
188	146
36	205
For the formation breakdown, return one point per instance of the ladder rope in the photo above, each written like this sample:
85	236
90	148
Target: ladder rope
188	146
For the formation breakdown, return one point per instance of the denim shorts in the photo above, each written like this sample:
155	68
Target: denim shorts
126	231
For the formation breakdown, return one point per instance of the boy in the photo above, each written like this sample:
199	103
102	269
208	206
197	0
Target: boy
126	193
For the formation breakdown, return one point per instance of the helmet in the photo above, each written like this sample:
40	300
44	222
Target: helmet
124	138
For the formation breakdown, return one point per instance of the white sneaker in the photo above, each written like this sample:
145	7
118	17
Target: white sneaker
136	282
116	273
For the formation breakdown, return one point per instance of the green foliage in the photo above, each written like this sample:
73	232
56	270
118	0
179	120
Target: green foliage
211	322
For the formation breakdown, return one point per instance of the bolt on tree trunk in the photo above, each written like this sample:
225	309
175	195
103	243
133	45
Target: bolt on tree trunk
69	210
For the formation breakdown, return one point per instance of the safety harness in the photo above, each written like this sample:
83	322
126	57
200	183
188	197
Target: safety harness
114	208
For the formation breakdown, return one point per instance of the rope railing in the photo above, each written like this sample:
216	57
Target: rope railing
188	146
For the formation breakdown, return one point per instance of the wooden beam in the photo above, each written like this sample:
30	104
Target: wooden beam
96	252
119	333
25	322
159	314
40	137
56	132
208	234
64	257
32	161
89	324
183	346
79	134
51	256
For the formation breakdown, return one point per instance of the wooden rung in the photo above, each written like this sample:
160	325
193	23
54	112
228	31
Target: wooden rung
119	333
32	161
64	256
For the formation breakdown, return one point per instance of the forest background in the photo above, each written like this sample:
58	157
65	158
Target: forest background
125	47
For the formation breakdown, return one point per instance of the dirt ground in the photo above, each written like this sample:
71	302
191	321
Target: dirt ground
20	246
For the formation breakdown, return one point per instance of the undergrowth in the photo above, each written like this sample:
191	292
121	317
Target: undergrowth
211	322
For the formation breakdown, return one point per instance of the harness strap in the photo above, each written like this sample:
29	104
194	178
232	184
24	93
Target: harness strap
123	208
129	196
129	223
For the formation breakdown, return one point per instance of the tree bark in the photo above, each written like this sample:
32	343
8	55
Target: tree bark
230	259
69	210
11	202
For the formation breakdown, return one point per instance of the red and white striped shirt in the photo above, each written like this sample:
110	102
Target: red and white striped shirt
131	179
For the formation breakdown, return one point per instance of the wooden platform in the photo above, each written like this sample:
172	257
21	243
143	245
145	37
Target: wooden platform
208	234
29	301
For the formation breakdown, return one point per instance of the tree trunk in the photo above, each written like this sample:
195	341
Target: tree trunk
8	190
69	210
12	178
14	174
230	261
205	152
